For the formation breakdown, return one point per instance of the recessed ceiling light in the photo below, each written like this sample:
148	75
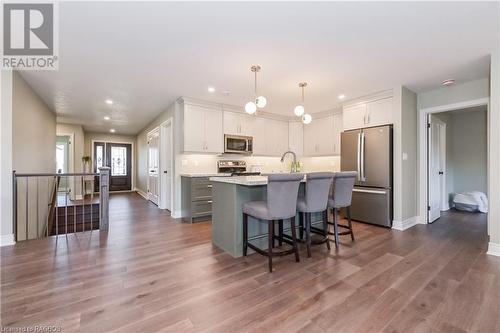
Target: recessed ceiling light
109	101
342	96
112	130
106	118
211	89
448	82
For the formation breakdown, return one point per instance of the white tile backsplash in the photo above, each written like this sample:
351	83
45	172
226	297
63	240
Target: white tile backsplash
196	163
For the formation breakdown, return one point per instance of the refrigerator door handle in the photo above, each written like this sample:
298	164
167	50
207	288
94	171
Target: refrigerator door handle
358	157
362	157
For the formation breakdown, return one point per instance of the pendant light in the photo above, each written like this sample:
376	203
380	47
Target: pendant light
260	101
299	109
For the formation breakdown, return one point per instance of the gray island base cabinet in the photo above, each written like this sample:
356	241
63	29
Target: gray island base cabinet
228	196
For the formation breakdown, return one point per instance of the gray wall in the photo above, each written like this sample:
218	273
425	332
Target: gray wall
409	207
33	150
6	232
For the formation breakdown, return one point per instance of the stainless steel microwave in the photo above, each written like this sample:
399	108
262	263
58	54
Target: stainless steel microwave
237	144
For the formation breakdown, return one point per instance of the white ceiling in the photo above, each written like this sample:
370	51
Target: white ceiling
145	55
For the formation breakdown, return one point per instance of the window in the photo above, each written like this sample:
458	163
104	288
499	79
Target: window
118	161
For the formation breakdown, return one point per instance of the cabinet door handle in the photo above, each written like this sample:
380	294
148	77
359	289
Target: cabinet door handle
364	119
368	118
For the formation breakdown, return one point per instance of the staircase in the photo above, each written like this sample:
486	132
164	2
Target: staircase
76	218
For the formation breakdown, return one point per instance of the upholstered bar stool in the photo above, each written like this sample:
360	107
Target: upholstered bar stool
343	184
315	200
282	192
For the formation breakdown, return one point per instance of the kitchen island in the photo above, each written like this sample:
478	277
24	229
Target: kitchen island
228	196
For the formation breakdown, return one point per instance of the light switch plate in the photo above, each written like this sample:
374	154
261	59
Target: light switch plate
405	156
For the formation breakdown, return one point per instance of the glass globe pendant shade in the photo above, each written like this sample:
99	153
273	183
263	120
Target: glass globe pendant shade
307	118
250	108
261	102
299	110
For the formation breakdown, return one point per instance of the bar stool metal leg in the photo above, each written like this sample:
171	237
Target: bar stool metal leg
245	234
294	239
335	227
308	233
280	225
325	228
270	245
348	213
301	226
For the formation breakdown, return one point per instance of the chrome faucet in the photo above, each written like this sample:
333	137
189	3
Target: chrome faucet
293	168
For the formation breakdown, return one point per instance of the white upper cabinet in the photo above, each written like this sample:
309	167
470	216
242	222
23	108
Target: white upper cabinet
322	136
296	137
238	124
337	131
379	112
354	116
270	137
374	113
202	129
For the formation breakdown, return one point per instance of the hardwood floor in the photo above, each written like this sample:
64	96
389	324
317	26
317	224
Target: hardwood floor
153	273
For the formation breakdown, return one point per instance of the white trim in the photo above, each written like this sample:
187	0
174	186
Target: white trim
71	160
493	249
131	158
175	214
6	240
168	122
141	193
78	197
406	224
422	140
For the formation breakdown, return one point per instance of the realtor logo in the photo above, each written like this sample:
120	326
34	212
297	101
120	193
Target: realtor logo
29	36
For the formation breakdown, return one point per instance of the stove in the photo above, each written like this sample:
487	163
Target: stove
235	168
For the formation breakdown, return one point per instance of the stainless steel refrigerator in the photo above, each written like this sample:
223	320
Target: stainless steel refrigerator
369	152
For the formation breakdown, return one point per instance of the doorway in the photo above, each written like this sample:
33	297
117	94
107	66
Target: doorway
62	159
453	156
118	157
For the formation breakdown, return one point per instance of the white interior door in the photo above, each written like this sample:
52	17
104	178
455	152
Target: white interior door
166	175
153	166
436	161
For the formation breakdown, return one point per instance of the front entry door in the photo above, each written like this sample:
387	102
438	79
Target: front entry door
117	156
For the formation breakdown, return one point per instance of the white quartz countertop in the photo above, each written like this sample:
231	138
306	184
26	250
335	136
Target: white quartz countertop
212	174
242	180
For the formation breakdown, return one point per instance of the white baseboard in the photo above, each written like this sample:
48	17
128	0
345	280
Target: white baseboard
493	249
176	214
142	194
6	240
405	224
